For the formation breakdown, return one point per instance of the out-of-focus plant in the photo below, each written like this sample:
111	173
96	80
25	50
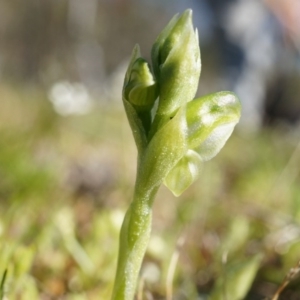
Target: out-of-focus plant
174	134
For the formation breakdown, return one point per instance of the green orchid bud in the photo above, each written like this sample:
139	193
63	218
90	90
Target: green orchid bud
139	95
140	89
211	120
176	64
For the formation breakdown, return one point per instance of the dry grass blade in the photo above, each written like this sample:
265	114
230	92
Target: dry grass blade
293	272
172	267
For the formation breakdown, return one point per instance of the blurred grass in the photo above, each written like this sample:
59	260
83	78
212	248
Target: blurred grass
65	183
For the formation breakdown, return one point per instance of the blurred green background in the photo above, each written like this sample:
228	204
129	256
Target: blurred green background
67	157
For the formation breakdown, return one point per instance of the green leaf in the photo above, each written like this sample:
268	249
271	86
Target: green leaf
136	53
184	173
236	280
136	124
157	60
211	120
165	149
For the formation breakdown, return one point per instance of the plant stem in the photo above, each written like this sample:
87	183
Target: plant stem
134	238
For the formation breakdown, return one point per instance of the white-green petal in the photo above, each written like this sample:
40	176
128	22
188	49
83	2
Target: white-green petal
184	173
215	141
211	120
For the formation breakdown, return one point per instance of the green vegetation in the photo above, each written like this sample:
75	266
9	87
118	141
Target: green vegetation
66	182
173	132
59	238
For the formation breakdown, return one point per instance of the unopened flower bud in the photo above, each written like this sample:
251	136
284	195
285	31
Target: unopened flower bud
176	63
140	88
139	94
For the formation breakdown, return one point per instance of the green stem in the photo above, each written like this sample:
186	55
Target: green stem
134	238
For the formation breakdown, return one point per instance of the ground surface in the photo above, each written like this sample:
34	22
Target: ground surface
65	183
